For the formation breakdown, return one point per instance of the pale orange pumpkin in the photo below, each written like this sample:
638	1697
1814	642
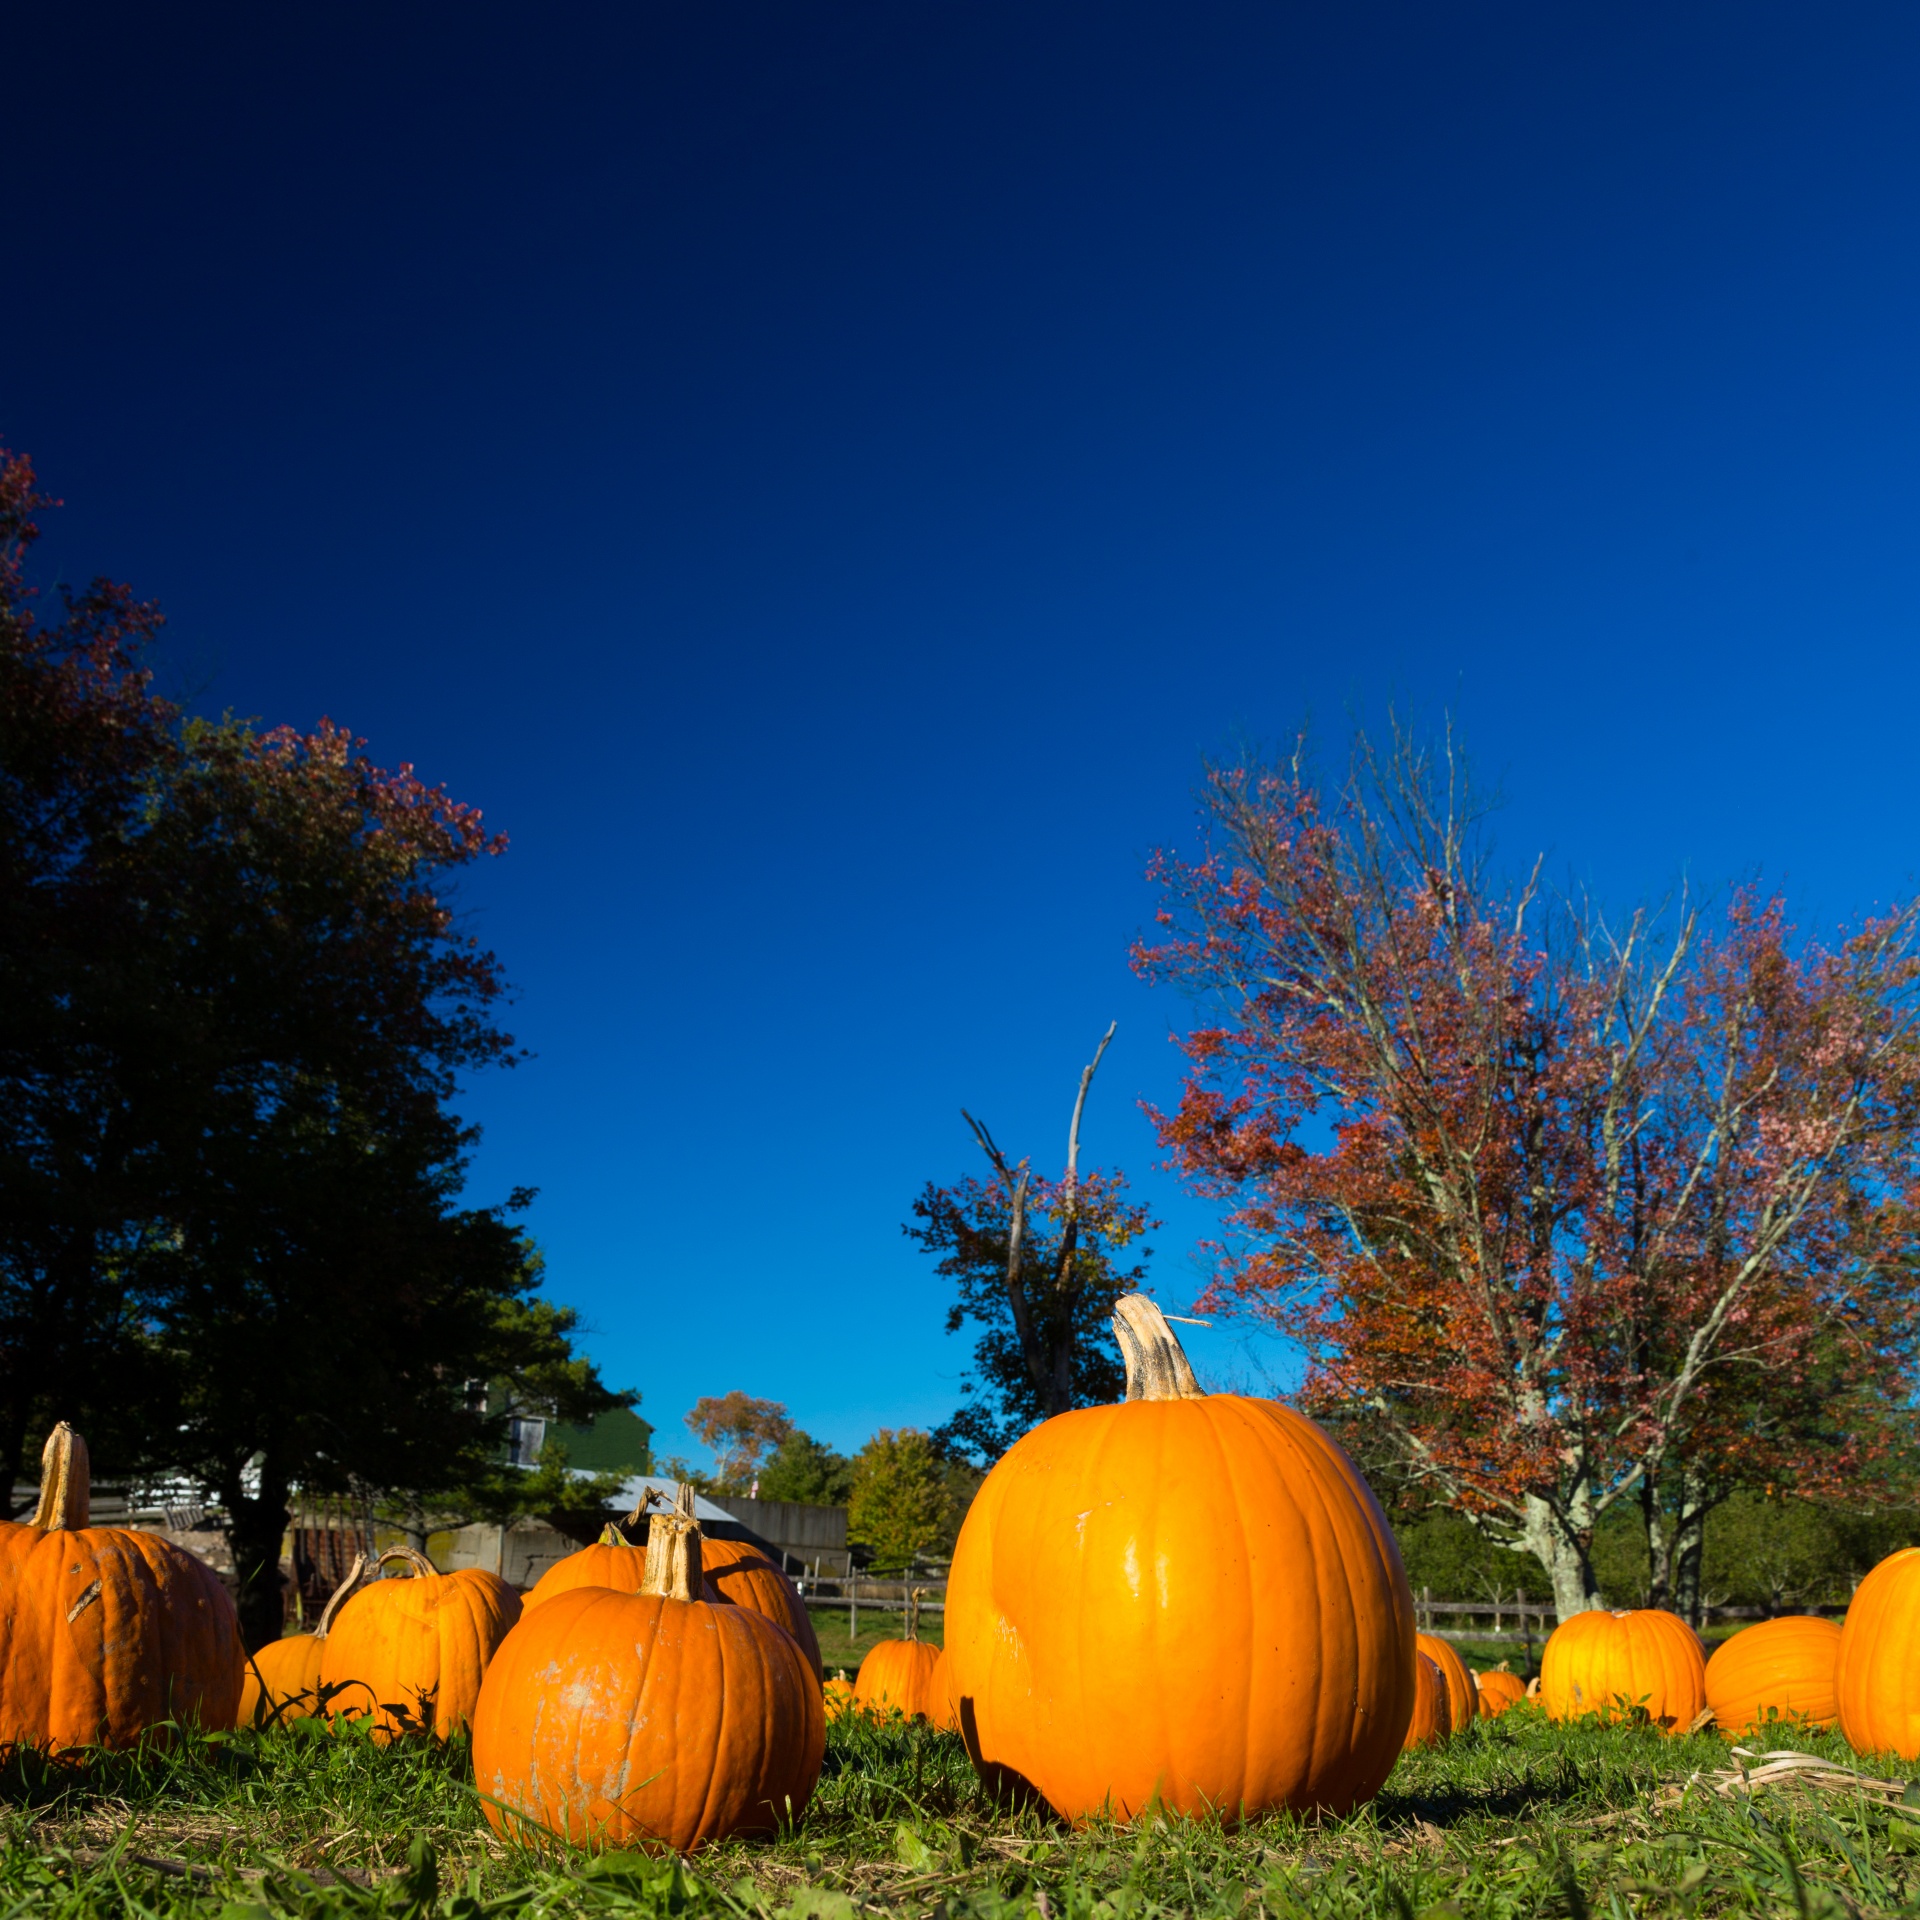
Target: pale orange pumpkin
652	1719
1877	1676
106	1633
1614	1663
1496	1690
409	1654
283	1677
1190	1599
1432	1722
1778	1670
1462	1700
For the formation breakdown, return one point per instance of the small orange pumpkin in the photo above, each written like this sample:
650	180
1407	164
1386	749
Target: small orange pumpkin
1877	1676
410	1653
1497	1690
105	1632
1126	1572
839	1697
1462	1701
1432	1722
943	1704
649	1719
1778	1670
1609	1664
283	1678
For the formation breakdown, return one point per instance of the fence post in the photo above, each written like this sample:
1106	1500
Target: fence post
853	1610
1426	1607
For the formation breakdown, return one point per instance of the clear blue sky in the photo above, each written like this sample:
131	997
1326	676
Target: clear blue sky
820	478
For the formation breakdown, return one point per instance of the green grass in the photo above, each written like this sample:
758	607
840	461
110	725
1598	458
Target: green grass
837	1651
1516	1818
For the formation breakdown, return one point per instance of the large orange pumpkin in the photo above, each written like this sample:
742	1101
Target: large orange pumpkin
283	1677
410	1653
1188	1599
1462	1701
1432	1722
1609	1664
1778	1670
1877	1677
652	1719
106	1633
733	1572
1496	1691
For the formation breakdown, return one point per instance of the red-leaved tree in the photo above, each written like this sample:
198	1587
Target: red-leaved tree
1568	1213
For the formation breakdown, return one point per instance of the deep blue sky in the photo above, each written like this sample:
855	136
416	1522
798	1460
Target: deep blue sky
820	478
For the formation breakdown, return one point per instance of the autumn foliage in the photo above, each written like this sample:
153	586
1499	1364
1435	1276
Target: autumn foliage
1568	1212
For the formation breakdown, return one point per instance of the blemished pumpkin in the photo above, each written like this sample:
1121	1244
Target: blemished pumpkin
655	1719
734	1572
283	1677
1614	1664
1189	1599
106	1633
1779	1670
1462	1701
1432	1722
1877	1676
409	1654
1497	1690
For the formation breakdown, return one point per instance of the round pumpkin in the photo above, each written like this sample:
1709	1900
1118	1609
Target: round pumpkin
283	1677
943	1704
1188	1599
894	1678
1432	1722
1778	1670
732	1570
1877	1676
1497	1690
410	1653
1610	1663
650	1719
839	1697
105	1632
1462	1701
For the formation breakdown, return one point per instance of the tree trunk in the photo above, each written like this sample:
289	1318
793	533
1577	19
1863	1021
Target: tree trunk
1564	1551
255	1530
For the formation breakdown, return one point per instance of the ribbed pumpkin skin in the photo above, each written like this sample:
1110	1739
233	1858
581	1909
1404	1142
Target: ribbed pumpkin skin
894	1677
618	1719
159	1643
284	1676
747	1578
943	1704
1497	1692
427	1639
1463	1703
1196	1600
1877	1678
616	1566
1646	1657
1787	1665
1432	1722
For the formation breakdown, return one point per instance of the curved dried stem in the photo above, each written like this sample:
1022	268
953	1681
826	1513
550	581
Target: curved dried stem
341	1595
1157	1367
416	1562
65	1483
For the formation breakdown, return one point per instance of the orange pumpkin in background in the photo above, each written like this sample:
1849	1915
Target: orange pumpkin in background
1189	1600
655	1719
897	1675
1778	1670
943	1704
1877	1676
1463	1703
106	1633
1497	1690
283	1678
1610	1663
410	1653
1432	1722
734	1572
839	1697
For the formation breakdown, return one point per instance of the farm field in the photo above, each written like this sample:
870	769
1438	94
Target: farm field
836	1650
1516	1817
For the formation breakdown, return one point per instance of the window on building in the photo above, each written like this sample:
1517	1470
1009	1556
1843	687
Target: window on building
525	1438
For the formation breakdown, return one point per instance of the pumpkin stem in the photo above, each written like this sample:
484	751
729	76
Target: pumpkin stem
914	1596
611	1534
65	1483
341	1595
673	1557
1157	1367
417	1562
